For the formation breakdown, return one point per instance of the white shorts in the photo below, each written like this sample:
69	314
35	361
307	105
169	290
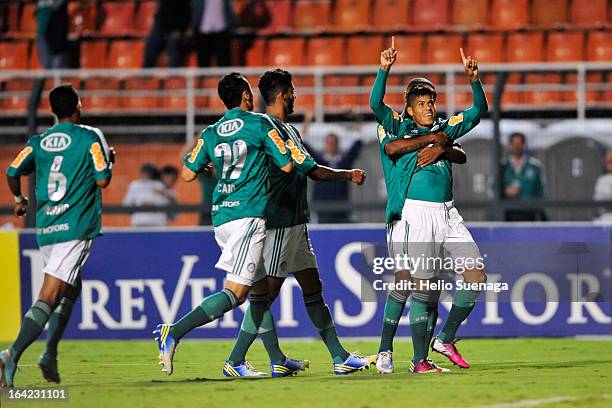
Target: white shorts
241	242
288	250
65	260
437	235
397	241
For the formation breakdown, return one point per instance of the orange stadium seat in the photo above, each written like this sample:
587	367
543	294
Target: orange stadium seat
589	12
510	98
34	60
510	14
443	48
14	55
364	50
145	17
93	54
17	102
486	48
12	19
82	17
391	14
212	102
141	102
177	102
27	25
341	101
305	98
311	15
410	49
280	13
118	18
599	46
351	15
97	103
565	46
254	54
469	13
525	47
125	54
325	51
542	96
548	13
430	14
286	52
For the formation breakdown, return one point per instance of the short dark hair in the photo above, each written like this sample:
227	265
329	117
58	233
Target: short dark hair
272	82
151	170
230	89
169	169
420	87
519	135
64	100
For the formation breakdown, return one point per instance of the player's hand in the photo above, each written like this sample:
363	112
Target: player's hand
388	56
439	138
112	154
512	191
21	208
358	176
470	65
429	155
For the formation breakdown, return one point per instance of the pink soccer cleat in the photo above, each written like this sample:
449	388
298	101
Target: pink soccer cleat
426	366
450	351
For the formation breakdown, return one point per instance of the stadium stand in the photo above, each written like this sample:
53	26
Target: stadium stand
309	16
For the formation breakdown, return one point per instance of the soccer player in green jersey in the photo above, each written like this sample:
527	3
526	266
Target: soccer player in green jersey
240	145
433	225
287	249
72	163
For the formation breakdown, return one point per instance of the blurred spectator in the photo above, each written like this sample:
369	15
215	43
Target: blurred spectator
52	33
523	179
148	190
169	176
171	20
212	21
337	190
603	188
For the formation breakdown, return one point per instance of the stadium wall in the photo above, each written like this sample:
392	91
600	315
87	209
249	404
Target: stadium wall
135	279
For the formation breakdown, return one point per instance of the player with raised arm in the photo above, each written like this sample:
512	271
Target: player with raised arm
73	163
287	249
240	145
429	220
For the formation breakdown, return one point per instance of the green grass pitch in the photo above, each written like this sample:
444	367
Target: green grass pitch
508	373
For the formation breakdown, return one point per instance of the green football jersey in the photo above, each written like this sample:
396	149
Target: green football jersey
68	160
288	204
239	146
394	201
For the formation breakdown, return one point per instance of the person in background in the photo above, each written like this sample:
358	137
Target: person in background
212	21
171	20
603	188
169	176
52	33
148	190
334	191
522	179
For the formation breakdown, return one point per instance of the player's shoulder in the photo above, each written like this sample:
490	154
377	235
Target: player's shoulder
91	131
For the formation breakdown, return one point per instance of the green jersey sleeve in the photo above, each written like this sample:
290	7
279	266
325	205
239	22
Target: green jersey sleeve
198	158
300	155
23	164
386	116
275	147
98	153
467	120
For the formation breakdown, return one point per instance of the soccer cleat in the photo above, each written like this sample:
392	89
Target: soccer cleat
48	367
426	366
242	370
384	362
354	363
166	345
7	369
450	351
288	367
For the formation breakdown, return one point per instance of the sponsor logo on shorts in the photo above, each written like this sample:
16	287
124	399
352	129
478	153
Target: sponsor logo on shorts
229	128
251	267
55	142
56	209
53	228
283	266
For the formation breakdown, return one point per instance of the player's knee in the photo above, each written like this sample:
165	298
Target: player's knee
475	276
402	276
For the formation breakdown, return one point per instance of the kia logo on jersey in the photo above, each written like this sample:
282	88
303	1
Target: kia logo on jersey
56	142
229	128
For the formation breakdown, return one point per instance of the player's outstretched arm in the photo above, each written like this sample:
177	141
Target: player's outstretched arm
324	173
388	118
21	202
403	146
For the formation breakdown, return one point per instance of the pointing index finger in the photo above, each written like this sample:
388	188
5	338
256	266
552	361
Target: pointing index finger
393	42
462	54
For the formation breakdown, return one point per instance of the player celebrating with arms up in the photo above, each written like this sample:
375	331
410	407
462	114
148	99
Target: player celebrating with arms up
72	163
287	249
240	145
433	225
